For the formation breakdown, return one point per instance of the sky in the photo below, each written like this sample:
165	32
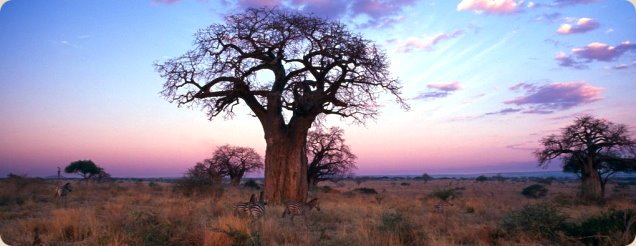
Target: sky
485	79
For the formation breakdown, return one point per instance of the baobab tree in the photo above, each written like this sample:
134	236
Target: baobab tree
588	146
328	155
235	161
288	68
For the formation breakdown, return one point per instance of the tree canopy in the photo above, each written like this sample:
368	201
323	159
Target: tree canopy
235	161
85	168
287	68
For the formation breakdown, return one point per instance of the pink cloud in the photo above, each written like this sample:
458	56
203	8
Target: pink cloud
413	43
603	52
595	51
557	96
322	8
621	66
489	6
583	25
379	8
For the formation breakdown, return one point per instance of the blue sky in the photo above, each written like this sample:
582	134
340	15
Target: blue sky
485	81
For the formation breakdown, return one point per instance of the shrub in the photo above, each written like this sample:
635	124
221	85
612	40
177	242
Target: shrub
191	186
405	184
608	228
398	224
481	178
541	220
535	191
447	194
250	183
365	190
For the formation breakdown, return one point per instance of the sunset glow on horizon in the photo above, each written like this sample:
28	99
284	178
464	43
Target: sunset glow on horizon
485	80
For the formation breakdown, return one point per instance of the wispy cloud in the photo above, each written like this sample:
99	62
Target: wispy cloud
582	25
165	1
552	97
566	60
489	6
559	3
504	111
415	43
620	66
438	90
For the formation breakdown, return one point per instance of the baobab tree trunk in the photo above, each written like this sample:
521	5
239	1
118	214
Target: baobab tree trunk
591	182
235	181
286	166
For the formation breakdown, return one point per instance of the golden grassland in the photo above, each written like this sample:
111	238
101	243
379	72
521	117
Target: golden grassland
403	213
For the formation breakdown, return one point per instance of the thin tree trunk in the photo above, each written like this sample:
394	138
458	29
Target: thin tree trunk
591	188
286	167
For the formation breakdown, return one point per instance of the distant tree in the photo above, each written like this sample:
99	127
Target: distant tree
84	168
481	178
288	68
235	162
425	177
328	155
592	148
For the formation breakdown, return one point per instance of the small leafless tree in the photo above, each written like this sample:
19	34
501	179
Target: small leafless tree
288	68
586	147
235	161
328	155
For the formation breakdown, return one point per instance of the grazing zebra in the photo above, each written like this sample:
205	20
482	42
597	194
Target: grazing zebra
257	209
299	208
439	208
242	208
62	191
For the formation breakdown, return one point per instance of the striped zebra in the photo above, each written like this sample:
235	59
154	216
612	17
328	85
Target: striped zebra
257	209
62	191
242	208
294	208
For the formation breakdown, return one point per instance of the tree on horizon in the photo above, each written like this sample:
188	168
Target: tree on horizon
591	148
235	161
328	155
289	69
85	168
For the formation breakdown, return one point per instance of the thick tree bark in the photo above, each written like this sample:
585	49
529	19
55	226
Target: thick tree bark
286	166
590	182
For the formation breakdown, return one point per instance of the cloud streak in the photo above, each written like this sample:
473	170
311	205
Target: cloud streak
557	96
438	90
415	43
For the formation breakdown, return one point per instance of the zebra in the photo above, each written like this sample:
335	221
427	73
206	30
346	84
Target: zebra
62	191
242	208
294	208
257	209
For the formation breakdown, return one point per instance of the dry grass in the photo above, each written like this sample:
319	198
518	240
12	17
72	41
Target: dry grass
136	213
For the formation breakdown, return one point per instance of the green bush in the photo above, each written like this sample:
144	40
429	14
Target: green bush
481	178
607	228
447	194
540	220
365	190
535	191
250	183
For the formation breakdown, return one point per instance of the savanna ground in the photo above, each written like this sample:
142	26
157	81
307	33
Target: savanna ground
403	213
